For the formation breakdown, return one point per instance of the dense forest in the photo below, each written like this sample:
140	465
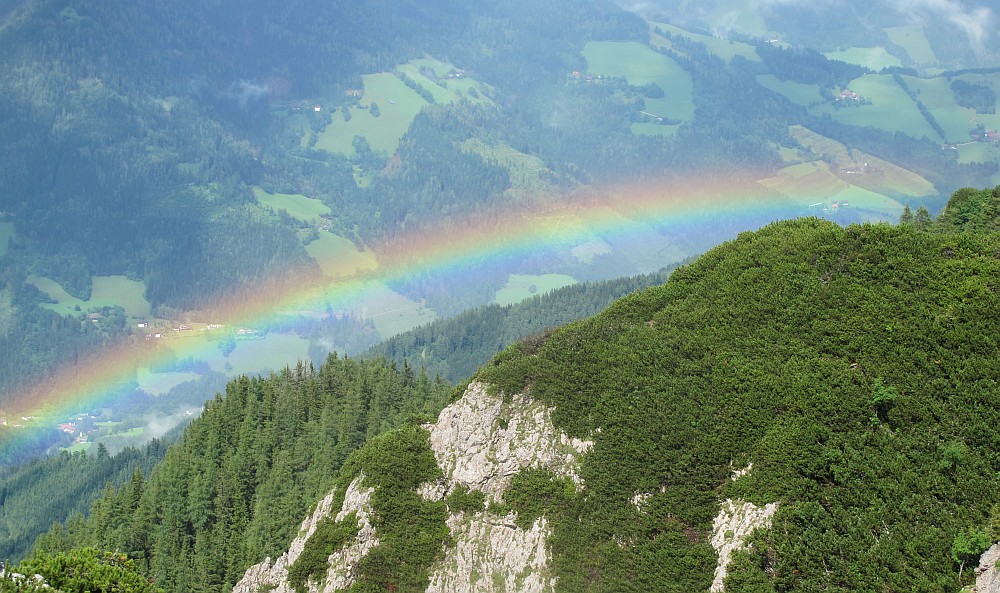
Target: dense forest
854	368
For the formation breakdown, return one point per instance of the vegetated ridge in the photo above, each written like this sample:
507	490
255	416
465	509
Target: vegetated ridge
844	378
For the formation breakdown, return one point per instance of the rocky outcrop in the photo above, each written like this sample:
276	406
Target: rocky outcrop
987	578
735	522
492	555
268	576
481	441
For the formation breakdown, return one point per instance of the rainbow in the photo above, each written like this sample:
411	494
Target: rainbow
681	218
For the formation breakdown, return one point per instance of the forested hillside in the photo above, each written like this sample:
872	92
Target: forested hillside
846	374
235	486
454	348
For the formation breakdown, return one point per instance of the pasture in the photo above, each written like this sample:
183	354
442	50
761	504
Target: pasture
869	171
339	257
723	48
978	152
449	89
912	39
806	95
936	94
397	106
810	183
107	291
891	109
990	120
640	65
525	170
296	205
254	357
524	286
161	383
873	58
6	234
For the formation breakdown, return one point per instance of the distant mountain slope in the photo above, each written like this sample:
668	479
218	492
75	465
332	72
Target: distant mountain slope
838	385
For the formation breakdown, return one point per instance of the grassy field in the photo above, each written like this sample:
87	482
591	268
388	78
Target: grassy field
525	170
912	39
297	205
937	95
641	65
453	89
813	184
891	109
252	357
397	105
992	80
6	234
161	383
391	312
108	291
524	286
868	171
873	58
723	48
339	257
978	152
806	95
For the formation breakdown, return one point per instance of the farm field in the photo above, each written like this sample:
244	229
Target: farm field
6	234
339	257
937	95
912	39
297	205
867	171
813	184
978	152
108	291
252	357
718	46
873	58
990	120
391	312
806	95
640	65
891	109
397	106
524	286
525	170
161	383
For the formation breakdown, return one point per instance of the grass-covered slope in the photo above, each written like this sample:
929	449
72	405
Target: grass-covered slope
855	368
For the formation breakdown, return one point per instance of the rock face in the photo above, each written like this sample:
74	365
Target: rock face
481	442
268	576
735	522
987	578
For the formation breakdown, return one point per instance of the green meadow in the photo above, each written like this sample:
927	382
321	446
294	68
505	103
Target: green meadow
524	286
391	312
936	94
722	48
525	170
990	120
6	234
251	357
640	65
107	291
809	184
806	95
297	205
339	257
912	39
873	58
397	106
161	383
978	152
891	109
867	171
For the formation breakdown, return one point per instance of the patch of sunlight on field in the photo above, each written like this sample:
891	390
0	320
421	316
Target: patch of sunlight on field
524	286
296	205
873	58
806	95
641	65
339	257
912	39
724	48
